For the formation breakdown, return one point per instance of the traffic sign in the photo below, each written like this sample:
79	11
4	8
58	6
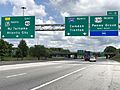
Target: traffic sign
80	52
18	27
76	26
114	13
103	25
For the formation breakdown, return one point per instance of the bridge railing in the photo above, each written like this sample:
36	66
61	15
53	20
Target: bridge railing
50	27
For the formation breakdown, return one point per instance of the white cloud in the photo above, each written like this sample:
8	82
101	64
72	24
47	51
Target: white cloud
88	7
3	1
50	20
55	2
65	14
31	8
42	21
68	8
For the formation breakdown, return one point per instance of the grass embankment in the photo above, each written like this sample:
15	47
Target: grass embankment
31	58
18	59
116	58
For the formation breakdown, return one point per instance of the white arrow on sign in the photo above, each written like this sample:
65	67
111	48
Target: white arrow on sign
31	36
103	32
68	33
84	33
17	36
3	36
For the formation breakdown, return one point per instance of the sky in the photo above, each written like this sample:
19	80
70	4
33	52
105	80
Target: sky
54	12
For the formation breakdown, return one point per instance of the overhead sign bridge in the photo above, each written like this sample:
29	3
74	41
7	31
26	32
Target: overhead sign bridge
50	27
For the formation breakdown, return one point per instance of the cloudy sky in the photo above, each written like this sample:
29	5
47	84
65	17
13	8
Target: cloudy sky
54	11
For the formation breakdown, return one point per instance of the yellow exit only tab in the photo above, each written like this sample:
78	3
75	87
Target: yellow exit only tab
7	18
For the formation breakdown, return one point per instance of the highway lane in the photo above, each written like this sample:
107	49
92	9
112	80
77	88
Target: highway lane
63	75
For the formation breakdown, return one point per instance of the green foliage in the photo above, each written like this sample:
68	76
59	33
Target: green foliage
110	49
39	51
31	51
9	50
23	48
18	53
3	48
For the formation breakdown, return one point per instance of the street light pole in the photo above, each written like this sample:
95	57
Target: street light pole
23	8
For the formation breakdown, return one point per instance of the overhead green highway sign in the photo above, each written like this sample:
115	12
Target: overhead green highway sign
80	52
112	13
18	27
103	25
76	26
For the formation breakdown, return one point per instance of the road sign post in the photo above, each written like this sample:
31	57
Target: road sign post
18	27
76	26
103	25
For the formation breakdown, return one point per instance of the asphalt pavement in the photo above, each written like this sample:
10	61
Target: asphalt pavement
61	75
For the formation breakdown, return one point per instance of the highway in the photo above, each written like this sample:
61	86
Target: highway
61	75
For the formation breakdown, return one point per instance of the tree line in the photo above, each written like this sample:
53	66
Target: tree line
22	50
111	51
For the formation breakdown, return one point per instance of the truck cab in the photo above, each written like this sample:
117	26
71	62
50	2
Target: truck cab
87	55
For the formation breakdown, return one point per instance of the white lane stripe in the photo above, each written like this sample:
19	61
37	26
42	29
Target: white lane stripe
16	75
58	67
27	65
38	87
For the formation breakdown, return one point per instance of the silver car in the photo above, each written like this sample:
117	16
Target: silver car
92	59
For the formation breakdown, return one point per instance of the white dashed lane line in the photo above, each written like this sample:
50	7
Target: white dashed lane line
11	76
59	78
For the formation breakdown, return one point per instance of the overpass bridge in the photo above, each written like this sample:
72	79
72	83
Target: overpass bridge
64	54
48	27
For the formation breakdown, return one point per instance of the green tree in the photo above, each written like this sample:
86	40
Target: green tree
3	49
18	53
10	48
39	51
110	51
23	48
32	51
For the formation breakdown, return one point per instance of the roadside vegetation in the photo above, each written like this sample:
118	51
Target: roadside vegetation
116	58
39	52
112	53
24	52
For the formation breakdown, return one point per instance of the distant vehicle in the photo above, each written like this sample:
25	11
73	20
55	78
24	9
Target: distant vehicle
87	55
92	59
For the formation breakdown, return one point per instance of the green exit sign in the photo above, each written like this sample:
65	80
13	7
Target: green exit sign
104	25
18	27
80	52
76	26
114	13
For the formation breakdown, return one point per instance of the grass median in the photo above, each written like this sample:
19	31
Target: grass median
116	58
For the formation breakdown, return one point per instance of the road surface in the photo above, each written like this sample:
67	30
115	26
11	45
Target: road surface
61	75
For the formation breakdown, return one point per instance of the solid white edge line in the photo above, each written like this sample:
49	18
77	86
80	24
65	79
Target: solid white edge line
15	75
45	84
